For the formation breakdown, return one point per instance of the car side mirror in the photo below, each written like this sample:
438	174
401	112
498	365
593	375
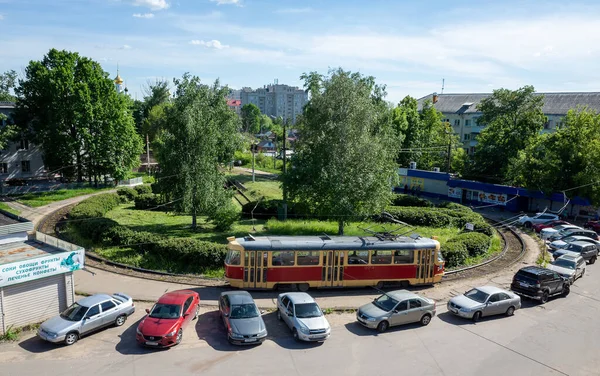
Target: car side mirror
396	311
147	310
87	318
186	315
262	312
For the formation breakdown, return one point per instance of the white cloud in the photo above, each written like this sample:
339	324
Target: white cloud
145	15
293	10
125	47
152	4
227	2
209	44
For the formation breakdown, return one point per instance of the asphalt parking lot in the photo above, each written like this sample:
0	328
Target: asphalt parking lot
559	338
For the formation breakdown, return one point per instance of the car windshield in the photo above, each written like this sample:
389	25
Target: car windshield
385	303
165	311
564	264
244	311
307	310
477	295
74	312
574	248
568	239
559	227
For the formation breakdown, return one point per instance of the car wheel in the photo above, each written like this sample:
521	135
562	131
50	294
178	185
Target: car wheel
544	298
197	313
120	320
179	337
510	311
477	316
379	285
593	260
295	334
383	326
566	290
303	287
279	315
425	320
71	338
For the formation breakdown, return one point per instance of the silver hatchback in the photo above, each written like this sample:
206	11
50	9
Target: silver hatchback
484	301
396	308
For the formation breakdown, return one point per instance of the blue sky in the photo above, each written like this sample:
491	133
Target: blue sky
408	45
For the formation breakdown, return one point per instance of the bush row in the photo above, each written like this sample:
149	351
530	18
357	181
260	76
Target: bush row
148	200
408	200
468	244
128	193
95	206
440	217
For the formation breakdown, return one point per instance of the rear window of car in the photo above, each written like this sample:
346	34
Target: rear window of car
526	277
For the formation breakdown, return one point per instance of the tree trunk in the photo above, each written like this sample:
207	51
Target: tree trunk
79	169
194	222
340	228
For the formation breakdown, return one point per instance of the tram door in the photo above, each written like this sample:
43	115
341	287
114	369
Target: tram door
333	268
255	269
425	265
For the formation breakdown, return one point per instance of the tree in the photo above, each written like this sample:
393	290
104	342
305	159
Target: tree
424	136
8	80
250	118
565	159
344	163
155	94
513	120
69	106
200	132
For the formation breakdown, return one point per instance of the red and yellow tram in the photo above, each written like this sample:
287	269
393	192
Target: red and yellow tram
323	261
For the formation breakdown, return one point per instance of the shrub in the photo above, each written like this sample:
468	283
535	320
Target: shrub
129	193
191	254
95	206
148	201
265	209
455	253
143	189
421	216
225	216
408	200
476	243
95	228
453	206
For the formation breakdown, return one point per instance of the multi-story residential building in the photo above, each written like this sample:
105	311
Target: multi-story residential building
460	110
277	100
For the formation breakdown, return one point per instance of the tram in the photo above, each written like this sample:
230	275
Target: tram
268	262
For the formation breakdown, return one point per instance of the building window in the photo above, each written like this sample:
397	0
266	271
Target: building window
25	166
548	124
467	122
3	168
467	136
23	145
472	150
457	122
446	120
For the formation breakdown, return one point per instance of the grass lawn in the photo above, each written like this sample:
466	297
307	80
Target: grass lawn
261	187
44	198
7	208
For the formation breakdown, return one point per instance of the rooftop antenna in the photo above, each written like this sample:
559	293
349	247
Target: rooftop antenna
443	80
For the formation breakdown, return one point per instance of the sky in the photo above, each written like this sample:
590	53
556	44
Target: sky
409	46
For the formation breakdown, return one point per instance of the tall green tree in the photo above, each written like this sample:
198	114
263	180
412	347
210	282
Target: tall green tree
199	134
71	109
250	118
344	163
513	120
424	136
8	81
565	159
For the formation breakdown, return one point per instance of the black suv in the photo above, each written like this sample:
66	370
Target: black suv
539	283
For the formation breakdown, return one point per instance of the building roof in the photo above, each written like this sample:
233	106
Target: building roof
554	103
25	250
234	102
275	243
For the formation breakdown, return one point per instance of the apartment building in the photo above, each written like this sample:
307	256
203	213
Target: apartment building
460	110
276	100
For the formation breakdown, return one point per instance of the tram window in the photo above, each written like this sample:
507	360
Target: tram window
308	257
381	257
358	257
440	257
233	258
283	258
403	256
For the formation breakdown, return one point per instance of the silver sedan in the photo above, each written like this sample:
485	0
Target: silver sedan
484	301
242	319
86	316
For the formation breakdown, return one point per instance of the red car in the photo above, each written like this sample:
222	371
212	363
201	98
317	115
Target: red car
592	225
164	324
540	226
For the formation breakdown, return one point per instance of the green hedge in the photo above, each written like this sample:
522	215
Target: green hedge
129	193
95	206
455	253
408	200
453	206
475	242
147	201
143	189
439	217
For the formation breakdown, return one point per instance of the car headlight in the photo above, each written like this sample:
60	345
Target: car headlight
171	334
465	310
304	329
138	331
371	319
235	335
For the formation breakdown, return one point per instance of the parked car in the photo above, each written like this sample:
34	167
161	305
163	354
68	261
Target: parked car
539	283
396	308
588	251
573	231
164	324
550	231
560	244
86	316
592	225
528	221
303	316
540	226
569	266
484	301
242	318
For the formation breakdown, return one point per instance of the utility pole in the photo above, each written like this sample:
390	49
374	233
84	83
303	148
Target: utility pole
284	159
147	154
253	148
449	152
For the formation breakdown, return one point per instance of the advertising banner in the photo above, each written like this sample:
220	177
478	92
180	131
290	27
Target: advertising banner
454	192
40	267
492	198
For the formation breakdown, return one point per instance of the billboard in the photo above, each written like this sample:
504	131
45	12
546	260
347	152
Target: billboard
40	267
492	198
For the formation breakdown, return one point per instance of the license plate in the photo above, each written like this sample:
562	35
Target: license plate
251	340
454	310
523	284
359	319
152	343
